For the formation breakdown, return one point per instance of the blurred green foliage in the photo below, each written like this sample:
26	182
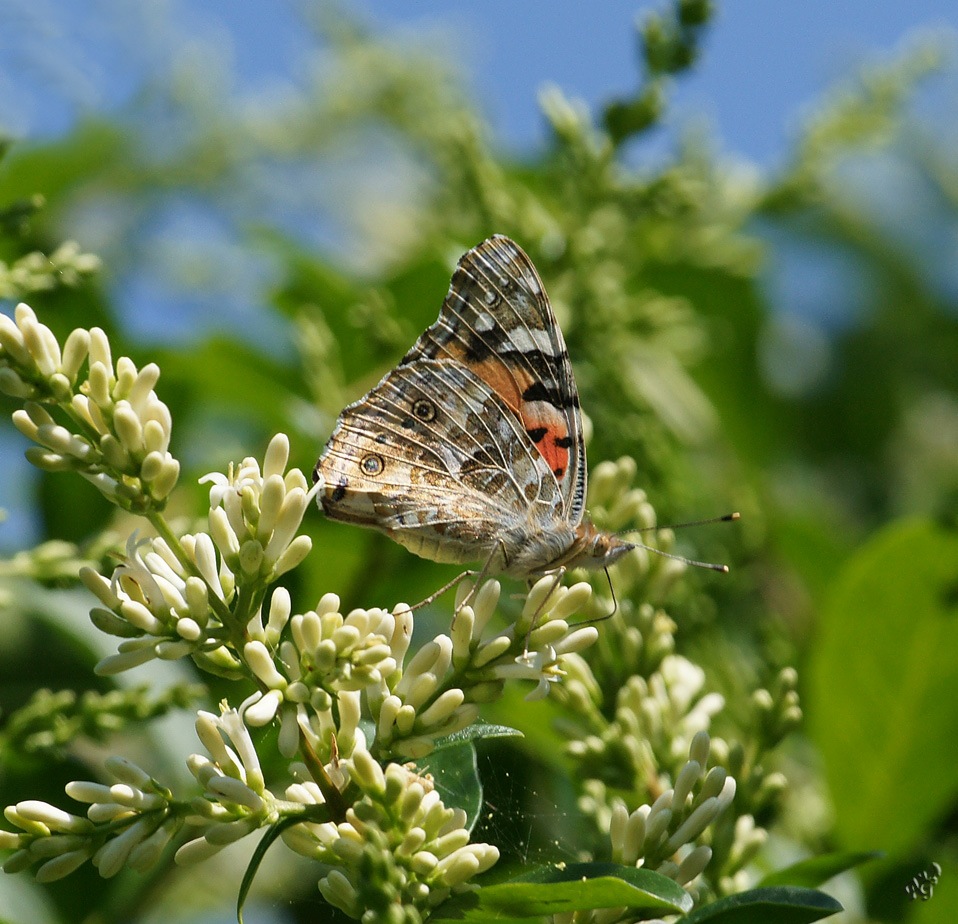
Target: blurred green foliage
825	428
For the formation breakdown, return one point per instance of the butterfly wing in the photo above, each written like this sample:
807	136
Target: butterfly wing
497	321
434	458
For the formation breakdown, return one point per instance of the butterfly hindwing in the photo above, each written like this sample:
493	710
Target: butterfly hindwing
433	456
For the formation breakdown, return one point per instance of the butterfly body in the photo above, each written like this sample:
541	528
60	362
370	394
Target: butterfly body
471	449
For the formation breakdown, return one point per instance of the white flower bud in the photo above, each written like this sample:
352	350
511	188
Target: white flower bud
75	349
538	595
43	346
573	600
405	719
714	782
59	867
111	857
163	484
196	851
635	835
270	504
340	893
727	795
548	633
141	388
388	713
85	791
656	826
699	748
367	773
105	813
693	864
138	615
250	557
492	650
415	748
236	791
173	650
422	687
125	377
54	818
128	427
702	816
231	831
277	456
132	653
264	710
222	533
126	771
294	555
442	708
261	663
684	782
148	851
155	438
11	384
457	868
484	605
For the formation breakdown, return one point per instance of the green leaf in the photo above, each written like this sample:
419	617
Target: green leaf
475	732
783	905
456	777
881	686
576	887
816	870
273	832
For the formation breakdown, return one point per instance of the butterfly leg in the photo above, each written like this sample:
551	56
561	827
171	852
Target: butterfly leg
455	582
483	573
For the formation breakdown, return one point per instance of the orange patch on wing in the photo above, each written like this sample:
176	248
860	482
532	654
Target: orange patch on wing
547	430
549	433
503	381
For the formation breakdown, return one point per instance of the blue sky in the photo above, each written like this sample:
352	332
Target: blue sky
762	62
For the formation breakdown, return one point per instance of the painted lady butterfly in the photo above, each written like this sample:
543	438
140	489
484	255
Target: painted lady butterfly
471	449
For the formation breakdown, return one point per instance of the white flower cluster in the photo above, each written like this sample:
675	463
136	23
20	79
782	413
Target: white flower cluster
327	658
170	597
661	836
399	845
655	720
440	690
255	515
128	823
37	271
236	801
159	607
120	430
330	658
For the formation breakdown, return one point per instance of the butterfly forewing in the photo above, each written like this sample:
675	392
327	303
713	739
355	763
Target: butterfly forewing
497	320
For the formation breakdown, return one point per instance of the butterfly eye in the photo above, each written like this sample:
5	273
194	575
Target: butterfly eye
424	409
372	464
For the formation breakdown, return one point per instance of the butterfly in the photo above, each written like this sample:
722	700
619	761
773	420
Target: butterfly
471	449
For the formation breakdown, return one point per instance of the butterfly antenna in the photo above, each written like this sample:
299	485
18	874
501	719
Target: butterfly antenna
708	565
708	521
